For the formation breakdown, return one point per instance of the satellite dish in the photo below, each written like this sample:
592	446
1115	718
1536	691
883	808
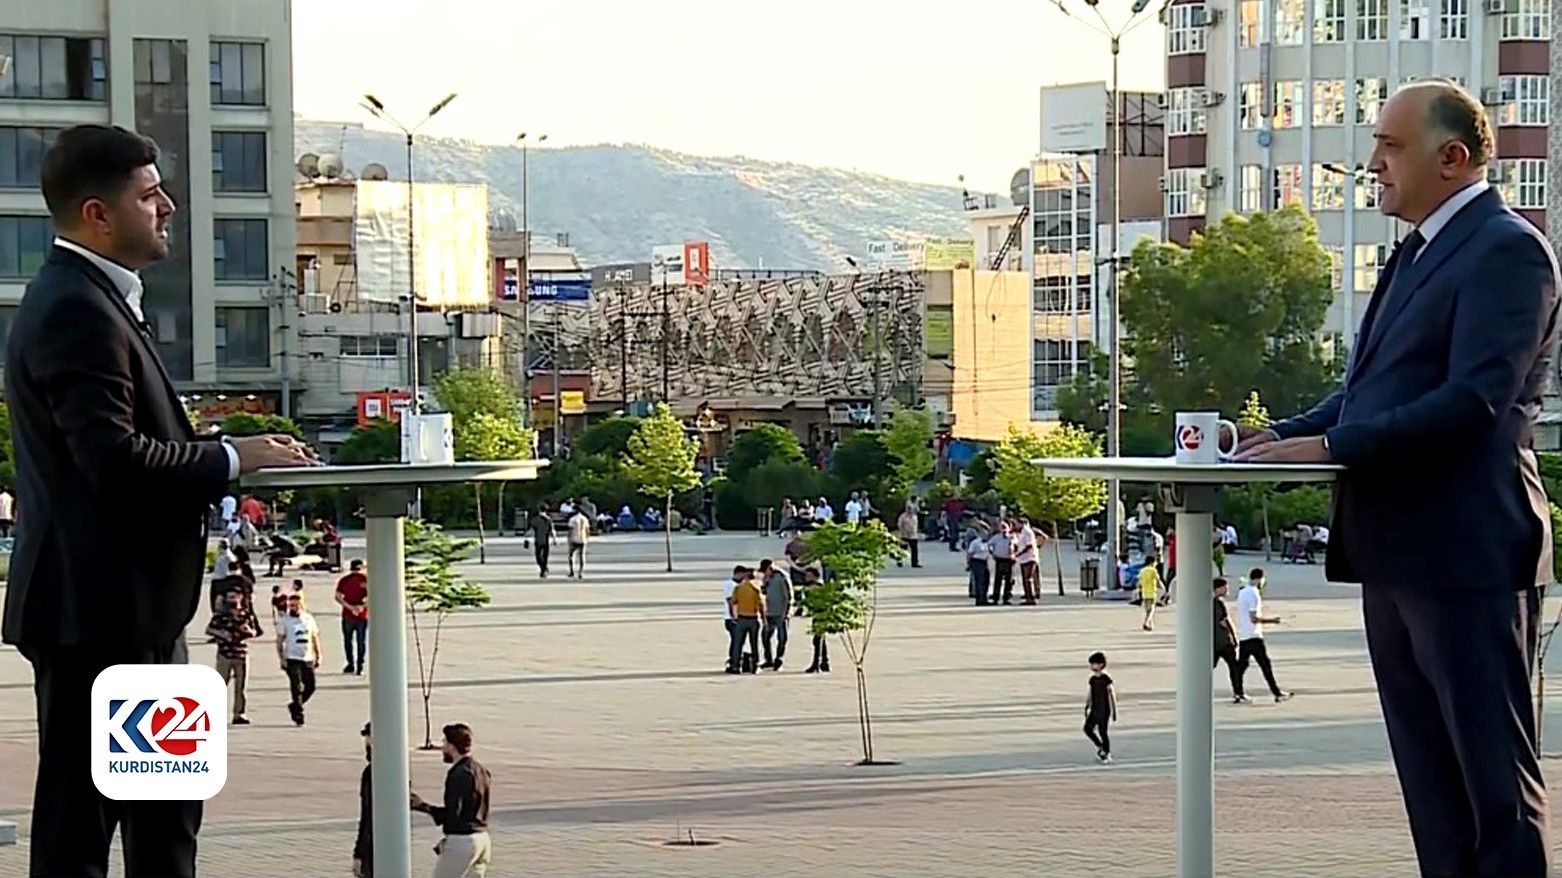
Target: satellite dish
374	171
1019	187
330	166
309	165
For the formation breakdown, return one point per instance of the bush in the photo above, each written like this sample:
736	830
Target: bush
761	445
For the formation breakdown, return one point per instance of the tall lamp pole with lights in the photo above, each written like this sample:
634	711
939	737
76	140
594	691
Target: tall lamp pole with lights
1114	406
377	109
523	291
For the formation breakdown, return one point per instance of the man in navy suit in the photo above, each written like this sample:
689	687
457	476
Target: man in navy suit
1435	423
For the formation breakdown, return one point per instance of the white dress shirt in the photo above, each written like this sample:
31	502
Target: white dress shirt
129	285
1438	219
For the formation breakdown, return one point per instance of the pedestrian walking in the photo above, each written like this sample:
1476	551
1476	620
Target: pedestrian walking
579	527
233	629
1226	641
467	848
352	594
1250	634
540	527
910	529
1100	707
298	650
1149	589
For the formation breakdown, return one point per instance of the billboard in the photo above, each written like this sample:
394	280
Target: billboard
386	405
1073	118
450	243
559	288
686	263
696	263
621	273
943	254
893	255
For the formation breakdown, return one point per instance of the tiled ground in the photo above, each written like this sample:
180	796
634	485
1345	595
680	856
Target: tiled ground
601	709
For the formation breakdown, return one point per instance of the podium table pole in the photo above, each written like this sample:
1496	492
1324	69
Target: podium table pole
1194	505
385	511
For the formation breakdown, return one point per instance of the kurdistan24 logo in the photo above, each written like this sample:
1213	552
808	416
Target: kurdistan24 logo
173	726
159	732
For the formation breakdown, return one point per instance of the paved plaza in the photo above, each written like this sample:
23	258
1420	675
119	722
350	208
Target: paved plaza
601	708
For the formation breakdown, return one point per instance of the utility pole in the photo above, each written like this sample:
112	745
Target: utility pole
667	398
878	344
287	280
558	400
623	346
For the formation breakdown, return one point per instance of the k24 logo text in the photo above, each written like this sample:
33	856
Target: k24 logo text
159	732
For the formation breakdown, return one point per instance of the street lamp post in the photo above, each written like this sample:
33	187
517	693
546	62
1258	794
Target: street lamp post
524	282
377	109
1114	410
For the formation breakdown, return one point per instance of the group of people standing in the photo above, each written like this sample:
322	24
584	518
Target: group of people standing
994	550
757	605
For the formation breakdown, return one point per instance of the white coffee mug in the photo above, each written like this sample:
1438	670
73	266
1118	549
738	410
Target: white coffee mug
1197	438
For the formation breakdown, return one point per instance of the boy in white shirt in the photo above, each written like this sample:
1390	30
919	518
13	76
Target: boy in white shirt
298	650
853	509
1250	634
579	535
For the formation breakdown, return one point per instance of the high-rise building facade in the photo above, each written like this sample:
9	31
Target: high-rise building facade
1273	102
212	84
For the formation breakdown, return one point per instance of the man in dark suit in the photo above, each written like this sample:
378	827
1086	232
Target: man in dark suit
1435	422
96	426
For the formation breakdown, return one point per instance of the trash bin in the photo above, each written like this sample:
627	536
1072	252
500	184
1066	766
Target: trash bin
1090	575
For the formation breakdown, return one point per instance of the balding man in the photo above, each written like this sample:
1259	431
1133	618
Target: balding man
1435	422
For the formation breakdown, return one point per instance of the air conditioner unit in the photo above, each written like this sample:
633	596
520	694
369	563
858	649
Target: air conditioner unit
1160	100
1491	96
1212	16
1496	7
1496	173
1211	178
1213	98
1162	182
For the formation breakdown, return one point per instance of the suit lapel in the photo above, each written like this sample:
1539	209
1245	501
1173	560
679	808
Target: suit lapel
1407	278
117	298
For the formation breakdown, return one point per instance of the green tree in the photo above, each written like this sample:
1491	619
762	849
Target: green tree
861	462
909	441
377	442
435	588
7	462
845	604
1254	415
485	414
661	459
609	438
250	424
764	443
1043	497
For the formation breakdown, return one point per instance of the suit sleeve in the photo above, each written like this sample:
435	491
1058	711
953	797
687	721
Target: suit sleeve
82	363
1501	319
1315	421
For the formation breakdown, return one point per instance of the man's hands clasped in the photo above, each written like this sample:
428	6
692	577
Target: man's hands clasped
271	450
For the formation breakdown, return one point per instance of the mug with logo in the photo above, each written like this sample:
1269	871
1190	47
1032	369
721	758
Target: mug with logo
1197	437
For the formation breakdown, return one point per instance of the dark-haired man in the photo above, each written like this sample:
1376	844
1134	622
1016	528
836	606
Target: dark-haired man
95	419
466	847
1435	424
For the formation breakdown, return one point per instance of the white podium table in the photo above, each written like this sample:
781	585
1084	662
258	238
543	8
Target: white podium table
1192	491
387	491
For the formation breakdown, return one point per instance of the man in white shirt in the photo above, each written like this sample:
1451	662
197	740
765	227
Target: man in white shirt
853	509
230	511
1026	557
823	513
579	535
298	649
1250	635
977	554
7	513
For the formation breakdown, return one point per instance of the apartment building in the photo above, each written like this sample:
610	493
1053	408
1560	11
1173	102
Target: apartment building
212	84
1272	102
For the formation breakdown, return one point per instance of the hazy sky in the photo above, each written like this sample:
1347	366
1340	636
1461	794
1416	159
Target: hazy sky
907	88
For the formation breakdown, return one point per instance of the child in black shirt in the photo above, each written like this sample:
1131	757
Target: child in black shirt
1100	707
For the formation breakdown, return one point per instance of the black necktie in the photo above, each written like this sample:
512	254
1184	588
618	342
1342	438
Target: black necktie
1409	246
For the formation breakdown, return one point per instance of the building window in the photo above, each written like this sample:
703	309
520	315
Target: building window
1415	20
1526	20
1453	19
1185	29
1288	186
1250	105
1250	189
21	155
1328	102
1336	265
1185	111
1372	20
1526	100
1329	21
24	243
238	74
52	68
1290	103
244	338
1370	259
241	249
1328	189
1051	295
1250	22
1053	366
1184	192
1368	191
1523	183
369	346
238	161
1290	22
1371	93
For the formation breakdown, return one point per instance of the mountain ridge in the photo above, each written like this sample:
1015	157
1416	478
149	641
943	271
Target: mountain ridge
617	201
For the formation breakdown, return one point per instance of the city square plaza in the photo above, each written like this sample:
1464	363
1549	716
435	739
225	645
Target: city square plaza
601	708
